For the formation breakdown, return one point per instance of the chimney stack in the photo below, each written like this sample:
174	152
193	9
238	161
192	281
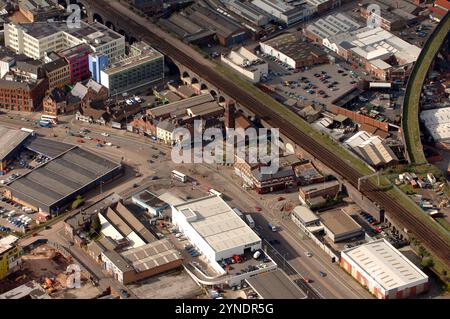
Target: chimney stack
230	114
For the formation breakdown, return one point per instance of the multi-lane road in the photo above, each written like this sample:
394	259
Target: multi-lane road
293	245
337	284
193	60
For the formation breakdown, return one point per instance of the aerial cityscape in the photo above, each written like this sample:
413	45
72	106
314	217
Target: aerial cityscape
224	149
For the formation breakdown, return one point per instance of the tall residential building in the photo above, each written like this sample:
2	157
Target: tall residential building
10	255
142	67
35	39
78	59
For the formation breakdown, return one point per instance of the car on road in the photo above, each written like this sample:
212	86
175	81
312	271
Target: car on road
322	274
308	280
308	254
105	134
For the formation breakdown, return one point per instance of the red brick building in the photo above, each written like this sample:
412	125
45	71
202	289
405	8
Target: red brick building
78	59
22	96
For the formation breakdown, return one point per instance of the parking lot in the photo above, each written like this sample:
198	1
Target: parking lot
15	217
417	34
318	84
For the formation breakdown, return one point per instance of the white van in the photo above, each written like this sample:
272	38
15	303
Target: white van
250	221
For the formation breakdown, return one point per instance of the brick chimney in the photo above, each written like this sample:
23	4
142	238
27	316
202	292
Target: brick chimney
230	114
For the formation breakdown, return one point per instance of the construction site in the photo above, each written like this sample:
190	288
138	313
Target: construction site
49	268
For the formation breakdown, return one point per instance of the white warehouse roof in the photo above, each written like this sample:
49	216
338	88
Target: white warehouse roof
217	223
385	265
437	122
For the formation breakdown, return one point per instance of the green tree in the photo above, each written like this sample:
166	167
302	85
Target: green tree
78	202
423	252
428	262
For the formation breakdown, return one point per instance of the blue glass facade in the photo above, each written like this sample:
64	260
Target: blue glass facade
97	63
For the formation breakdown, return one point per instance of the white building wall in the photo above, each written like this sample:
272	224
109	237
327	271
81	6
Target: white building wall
372	284
267	49
179	220
109	266
104	79
108	229
330	45
23	43
253	76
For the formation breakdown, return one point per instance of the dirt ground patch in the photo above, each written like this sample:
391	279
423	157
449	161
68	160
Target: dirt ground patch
48	267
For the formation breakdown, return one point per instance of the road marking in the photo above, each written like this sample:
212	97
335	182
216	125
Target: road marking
329	267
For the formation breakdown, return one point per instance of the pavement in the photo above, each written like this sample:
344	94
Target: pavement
337	284
306	98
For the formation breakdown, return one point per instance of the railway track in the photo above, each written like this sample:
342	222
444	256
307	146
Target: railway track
432	241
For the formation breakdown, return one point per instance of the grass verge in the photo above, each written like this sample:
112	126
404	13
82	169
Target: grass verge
325	140
410	119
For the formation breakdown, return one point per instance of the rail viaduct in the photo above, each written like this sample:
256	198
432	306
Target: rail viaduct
293	140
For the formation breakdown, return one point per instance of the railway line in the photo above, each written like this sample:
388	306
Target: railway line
430	239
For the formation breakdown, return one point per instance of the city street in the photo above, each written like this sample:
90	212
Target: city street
293	245
337	284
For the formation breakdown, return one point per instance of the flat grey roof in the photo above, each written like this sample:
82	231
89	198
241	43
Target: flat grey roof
339	222
61	177
181	105
31	289
118	260
126	223
275	285
305	214
88	32
49	148
152	255
10	140
149	199
294	47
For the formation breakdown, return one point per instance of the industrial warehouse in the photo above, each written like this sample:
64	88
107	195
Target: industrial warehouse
11	142
212	226
106	200
385	271
55	184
